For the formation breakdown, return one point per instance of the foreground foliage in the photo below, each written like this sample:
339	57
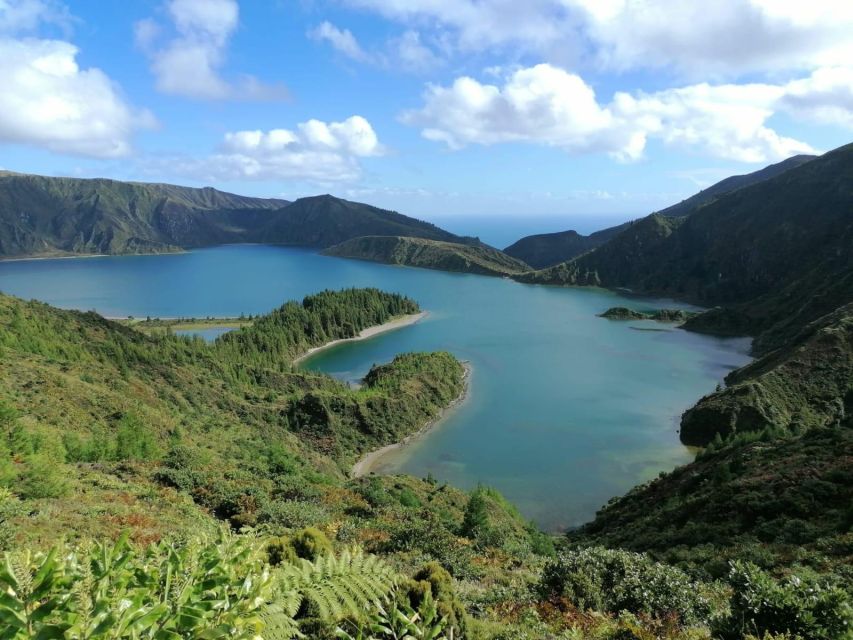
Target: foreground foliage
615	581
218	587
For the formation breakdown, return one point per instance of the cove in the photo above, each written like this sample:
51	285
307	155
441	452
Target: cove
565	410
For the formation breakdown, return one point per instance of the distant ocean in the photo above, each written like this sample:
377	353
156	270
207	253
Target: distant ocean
501	231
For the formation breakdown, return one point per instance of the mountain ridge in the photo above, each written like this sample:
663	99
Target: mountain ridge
429	254
46	216
548	249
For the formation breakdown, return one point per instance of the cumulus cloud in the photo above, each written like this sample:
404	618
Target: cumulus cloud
550	106
48	100
730	37
479	24
189	63
17	16
826	96
322	152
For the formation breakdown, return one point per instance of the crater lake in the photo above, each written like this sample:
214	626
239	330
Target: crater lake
565	410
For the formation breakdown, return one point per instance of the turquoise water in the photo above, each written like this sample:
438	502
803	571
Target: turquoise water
566	409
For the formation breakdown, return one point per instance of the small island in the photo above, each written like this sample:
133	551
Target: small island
659	315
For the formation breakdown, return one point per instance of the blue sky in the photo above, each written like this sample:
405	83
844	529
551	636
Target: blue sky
436	108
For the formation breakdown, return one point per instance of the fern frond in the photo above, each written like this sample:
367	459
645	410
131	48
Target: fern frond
343	586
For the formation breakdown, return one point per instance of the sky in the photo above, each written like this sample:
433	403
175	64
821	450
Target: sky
599	109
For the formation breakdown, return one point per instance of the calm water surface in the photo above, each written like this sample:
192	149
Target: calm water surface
566	409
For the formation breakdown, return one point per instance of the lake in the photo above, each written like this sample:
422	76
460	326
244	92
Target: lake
565	410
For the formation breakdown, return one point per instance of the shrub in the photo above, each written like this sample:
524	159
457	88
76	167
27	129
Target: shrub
134	440
311	543
614	581
291	514
41	477
762	606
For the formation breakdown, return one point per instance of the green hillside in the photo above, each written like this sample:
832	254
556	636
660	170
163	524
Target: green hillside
773	256
43	216
727	185
549	249
430	254
105	430
804	384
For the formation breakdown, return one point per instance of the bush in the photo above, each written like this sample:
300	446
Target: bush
41	477
763	606
134	440
311	543
614	581
203	588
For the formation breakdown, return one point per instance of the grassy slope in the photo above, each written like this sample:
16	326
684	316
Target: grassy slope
75	377
749	243
65	216
805	384
779	502
430	254
549	249
233	434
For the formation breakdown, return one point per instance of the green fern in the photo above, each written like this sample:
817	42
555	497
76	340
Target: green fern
338	586
398	621
204	588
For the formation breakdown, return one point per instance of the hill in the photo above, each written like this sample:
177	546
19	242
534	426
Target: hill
804	384
548	249
775	257
767	253
429	254
324	221
43	216
778	501
732	183
104	429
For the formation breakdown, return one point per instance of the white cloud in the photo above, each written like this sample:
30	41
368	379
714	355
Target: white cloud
48	100
190	63
406	52
730	37
409	52
727	37
549	106
479	24
341	39
826	96
322	152
18	16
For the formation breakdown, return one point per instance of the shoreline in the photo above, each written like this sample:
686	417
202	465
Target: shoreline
367	463
370	332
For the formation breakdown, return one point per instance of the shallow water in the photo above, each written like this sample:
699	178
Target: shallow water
566	409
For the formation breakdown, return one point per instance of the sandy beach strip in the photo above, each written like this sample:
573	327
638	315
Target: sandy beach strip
369	461
396	323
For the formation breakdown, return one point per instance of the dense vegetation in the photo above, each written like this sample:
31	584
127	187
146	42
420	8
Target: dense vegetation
804	384
275	339
548	249
748	250
54	216
430	254
104	429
